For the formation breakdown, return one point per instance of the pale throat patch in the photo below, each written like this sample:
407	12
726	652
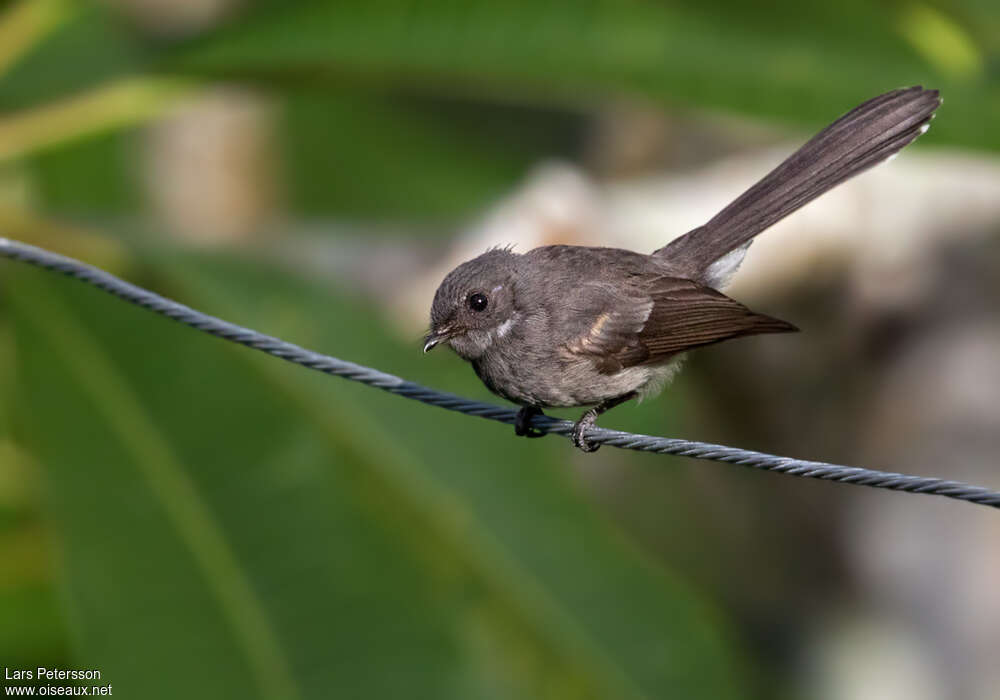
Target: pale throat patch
504	328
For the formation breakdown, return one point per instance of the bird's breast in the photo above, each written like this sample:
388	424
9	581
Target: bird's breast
539	375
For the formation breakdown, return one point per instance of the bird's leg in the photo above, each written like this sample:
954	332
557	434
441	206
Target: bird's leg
522	424
590	417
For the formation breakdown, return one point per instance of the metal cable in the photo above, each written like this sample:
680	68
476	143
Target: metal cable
396	385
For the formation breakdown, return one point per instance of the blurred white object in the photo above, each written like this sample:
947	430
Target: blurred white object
175	18
210	166
938	412
869	657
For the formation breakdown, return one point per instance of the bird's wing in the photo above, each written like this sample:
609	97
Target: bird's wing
614	319
663	317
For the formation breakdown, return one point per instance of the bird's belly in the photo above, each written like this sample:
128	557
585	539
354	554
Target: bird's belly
563	384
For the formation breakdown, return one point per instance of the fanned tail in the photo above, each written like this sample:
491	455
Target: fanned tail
867	135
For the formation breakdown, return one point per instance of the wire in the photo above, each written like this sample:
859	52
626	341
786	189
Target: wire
396	385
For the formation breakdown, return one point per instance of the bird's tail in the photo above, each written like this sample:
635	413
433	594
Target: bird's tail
867	135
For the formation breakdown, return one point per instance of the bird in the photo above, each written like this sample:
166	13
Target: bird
582	326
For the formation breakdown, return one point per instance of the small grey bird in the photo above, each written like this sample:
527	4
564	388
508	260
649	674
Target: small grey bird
579	326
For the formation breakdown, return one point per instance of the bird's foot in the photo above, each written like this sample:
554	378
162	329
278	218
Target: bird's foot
522	424
586	421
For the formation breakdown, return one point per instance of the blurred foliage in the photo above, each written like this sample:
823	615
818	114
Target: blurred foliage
85	49
408	83
464	152
231	527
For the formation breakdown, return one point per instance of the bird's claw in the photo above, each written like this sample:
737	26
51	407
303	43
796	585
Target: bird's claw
579	429
522	424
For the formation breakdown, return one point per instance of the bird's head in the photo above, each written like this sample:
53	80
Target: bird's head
475	305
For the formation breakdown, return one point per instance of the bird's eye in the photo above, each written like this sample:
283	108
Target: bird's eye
478	302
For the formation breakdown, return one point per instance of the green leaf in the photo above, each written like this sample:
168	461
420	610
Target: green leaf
374	155
92	48
798	62
234	526
32	632
96	174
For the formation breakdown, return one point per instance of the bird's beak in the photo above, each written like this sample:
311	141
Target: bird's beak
436	336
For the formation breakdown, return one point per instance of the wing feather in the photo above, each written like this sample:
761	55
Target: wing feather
662	318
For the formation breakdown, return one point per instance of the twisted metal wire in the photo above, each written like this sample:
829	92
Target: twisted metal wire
396	385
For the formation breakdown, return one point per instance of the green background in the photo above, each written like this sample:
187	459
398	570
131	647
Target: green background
196	520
